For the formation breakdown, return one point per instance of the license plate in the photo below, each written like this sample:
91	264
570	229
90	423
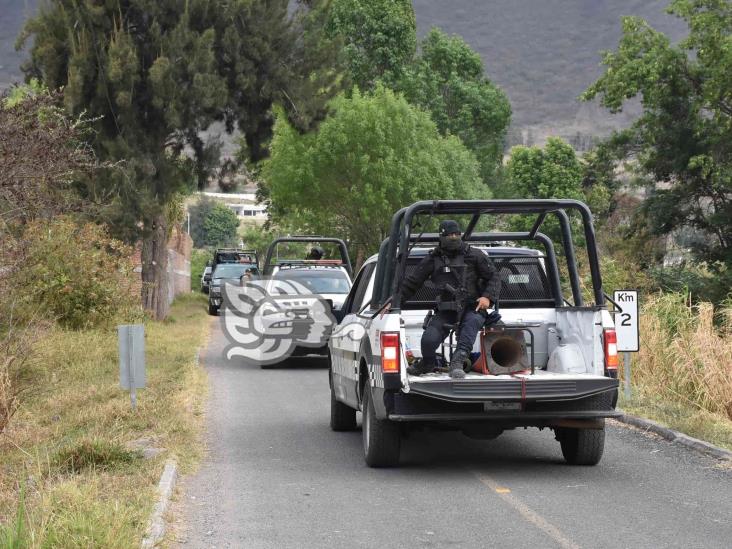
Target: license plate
501	406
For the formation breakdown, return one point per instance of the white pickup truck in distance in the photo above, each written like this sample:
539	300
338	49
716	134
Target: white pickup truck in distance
551	363
321	279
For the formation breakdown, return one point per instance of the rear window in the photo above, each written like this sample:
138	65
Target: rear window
523	280
331	281
524	283
234	270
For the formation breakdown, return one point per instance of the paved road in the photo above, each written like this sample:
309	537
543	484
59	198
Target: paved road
276	477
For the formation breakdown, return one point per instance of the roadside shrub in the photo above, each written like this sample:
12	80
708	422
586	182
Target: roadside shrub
199	258
76	274
683	356
700	282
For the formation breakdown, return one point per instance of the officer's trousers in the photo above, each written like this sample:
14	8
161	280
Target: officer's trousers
436	332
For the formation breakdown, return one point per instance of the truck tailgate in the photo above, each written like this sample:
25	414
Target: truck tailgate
541	386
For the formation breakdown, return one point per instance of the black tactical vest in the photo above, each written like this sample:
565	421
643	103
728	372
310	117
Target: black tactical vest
457	271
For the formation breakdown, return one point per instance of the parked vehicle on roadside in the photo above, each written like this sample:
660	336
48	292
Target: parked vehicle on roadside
224	273
235	255
206	278
551	363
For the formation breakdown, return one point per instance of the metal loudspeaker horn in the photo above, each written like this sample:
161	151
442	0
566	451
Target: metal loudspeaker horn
505	352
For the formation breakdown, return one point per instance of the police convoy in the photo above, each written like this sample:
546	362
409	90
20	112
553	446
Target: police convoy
405	352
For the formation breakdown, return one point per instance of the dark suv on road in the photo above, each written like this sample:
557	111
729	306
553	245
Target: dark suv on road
231	273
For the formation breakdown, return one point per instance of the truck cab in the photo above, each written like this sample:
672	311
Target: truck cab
565	377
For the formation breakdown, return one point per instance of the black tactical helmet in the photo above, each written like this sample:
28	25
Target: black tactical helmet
449	227
316	252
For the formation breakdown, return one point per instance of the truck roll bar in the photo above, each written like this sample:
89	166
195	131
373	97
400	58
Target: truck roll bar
392	266
346	261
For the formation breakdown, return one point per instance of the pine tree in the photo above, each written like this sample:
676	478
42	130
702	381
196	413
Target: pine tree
155	74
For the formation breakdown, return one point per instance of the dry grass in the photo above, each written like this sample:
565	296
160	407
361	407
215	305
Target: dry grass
68	448
18	363
683	372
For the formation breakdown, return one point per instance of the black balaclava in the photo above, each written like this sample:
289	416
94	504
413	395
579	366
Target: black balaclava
450	246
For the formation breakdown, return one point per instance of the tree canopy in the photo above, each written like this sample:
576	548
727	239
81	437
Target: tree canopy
379	38
220	226
447	79
683	140
374	154
551	172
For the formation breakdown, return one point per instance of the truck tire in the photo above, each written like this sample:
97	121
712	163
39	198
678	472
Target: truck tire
212	309
381	438
582	446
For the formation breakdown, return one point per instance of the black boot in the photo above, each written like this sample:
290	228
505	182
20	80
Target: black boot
456	364
421	366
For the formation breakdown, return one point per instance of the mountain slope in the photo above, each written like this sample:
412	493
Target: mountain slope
544	53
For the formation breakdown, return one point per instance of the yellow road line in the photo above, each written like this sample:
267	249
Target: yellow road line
527	513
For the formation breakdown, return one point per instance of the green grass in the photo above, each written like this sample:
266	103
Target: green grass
70	447
691	421
94	454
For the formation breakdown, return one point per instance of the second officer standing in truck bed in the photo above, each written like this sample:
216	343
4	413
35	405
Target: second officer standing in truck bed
468	284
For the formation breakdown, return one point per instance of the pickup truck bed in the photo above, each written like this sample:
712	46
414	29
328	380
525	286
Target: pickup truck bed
562	377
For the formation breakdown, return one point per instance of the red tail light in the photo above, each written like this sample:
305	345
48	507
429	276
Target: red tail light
390	352
610	341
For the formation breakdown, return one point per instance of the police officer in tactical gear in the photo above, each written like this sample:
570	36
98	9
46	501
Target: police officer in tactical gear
469	285
316	252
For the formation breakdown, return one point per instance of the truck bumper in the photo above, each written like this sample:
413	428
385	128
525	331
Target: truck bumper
511	402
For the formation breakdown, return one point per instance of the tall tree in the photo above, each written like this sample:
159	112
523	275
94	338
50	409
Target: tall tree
220	226
155	74
268	56
683	140
448	79
374	154
551	172
379	38
149	75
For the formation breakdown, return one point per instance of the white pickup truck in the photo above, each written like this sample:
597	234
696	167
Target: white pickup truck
328	279
552	363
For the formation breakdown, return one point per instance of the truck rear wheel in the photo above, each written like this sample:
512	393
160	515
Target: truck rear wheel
381	438
582	446
213	310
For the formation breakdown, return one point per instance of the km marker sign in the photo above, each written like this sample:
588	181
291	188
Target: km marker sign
626	321
626	329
